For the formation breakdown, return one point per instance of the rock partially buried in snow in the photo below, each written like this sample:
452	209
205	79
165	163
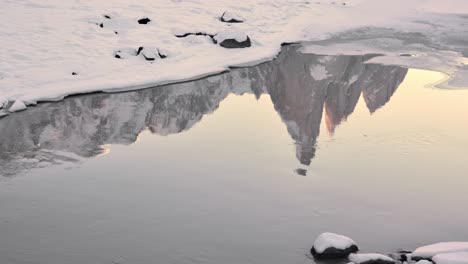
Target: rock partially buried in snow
371	258
18	105
232	39
229	17
144	21
148	53
125	53
333	246
429	251
451	258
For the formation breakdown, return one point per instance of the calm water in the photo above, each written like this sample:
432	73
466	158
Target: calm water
245	167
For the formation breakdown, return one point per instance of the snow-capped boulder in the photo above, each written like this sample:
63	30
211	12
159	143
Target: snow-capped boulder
333	246
144	21
429	251
451	258
125	53
370	258
18	105
232	39
229	17
424	261
150	54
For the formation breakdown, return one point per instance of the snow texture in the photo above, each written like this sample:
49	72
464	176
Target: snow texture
43	42
430	251
368	257
451	258
331	240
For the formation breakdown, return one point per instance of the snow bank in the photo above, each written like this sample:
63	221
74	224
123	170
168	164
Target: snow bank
451	258
44	42
369	258
331	240
430	251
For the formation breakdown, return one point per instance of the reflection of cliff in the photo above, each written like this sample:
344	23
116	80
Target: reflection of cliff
301	87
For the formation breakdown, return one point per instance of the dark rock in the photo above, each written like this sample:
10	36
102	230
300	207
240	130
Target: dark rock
74	73
139	50
334	253
301	172
101	25
234	44
116	32
144	21
107	16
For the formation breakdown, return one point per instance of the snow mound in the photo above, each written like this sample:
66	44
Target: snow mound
451	258
150	54
330	245
18	105
125	53
233	38
229	17
429	251
370	258
424	261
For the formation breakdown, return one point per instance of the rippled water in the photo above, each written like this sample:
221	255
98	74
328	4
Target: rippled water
244	167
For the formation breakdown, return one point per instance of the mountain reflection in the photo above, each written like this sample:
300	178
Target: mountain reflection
302	87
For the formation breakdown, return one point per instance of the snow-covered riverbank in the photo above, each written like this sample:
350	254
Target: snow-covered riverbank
51	49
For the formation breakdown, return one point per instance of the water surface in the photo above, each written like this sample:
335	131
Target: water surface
244	167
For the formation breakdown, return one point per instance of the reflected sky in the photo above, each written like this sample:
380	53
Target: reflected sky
245	167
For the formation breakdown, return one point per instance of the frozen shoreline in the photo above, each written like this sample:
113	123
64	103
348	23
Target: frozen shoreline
60	49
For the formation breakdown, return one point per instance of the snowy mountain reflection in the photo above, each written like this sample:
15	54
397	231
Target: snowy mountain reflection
303	87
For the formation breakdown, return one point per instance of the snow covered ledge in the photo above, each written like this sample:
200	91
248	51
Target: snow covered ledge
429	251
72	50
84	39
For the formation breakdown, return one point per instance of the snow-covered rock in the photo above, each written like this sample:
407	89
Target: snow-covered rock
370	258
429	251
18	105
125	53
330	245
424	261
229	17
451	258
233	38
150	54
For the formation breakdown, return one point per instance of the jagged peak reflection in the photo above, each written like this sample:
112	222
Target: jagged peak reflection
302	87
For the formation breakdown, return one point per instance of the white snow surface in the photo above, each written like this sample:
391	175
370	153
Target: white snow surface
430	251
327	240
361	258
43	42
451	258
